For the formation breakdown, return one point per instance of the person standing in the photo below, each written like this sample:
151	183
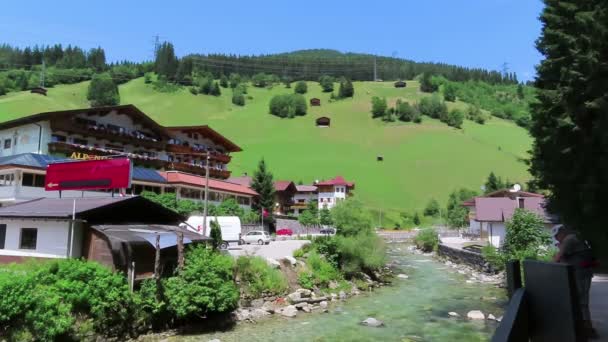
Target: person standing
577	252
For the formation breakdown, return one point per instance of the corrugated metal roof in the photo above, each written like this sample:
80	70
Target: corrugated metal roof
41	161
58	207
180	177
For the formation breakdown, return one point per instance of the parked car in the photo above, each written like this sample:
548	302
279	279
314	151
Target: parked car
256	236
285	232
328	231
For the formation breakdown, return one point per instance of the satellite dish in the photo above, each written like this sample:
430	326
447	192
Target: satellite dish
516	188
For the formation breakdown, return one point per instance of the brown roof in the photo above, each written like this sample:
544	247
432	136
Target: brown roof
208	132
500	209
243	180
284	186
173	177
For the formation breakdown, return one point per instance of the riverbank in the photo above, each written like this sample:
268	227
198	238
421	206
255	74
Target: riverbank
416	307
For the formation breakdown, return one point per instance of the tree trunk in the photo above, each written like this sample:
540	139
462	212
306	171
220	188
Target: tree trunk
180	250
157	259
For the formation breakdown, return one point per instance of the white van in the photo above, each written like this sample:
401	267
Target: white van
229	225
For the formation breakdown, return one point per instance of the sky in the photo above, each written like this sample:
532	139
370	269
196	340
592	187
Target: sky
472	33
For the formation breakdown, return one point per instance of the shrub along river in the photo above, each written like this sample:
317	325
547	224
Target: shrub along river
413	309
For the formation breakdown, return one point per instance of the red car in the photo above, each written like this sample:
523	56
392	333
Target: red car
284	231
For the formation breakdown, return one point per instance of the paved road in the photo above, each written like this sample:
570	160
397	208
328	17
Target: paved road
275	250
599	304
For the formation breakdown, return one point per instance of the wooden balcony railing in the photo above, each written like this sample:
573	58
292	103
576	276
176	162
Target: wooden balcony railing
180	149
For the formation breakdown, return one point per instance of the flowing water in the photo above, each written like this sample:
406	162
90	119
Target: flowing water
414	309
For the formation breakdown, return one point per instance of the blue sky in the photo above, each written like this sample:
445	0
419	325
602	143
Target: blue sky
474	33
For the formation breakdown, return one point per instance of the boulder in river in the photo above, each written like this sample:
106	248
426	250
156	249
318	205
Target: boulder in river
453	314
402	276
323	304
342	295
289	311
273	263
291	260
256	303
476	315
372	322
491	317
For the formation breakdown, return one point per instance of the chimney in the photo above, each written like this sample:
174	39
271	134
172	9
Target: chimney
520	202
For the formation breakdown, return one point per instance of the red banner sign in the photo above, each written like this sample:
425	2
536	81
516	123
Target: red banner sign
89	175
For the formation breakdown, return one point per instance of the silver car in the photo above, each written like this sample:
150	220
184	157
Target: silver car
256	236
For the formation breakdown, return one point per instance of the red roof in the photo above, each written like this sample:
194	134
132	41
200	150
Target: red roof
500	209
243	180
339	180
185	178
306	188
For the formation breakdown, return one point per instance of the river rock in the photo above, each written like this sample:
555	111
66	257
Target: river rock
257	303
242	314
372	322
215	340
289	311
294	297
453	314
334	297
304	293
259	313
402	276
499	319
333	284
291	260
491	317
307	308
342	295
476	315
323	304
354	291
272	262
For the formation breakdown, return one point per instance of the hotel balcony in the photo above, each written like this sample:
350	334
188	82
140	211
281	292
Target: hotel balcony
90	152
181	149
100	132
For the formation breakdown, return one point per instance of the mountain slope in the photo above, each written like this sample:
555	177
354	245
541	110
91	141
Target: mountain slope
420	161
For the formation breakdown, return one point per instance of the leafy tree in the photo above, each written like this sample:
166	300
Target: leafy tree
457	215
148	77
432	208
166	62
263	184
346	89
493	183
389	115
238	98
449	92
325	217
261	80
215	89
426	83
103	91
308	219
301	87
229	207
351	218
288	105
405	111
474	113
520	92
569	125
455	118
215	234
379	106
433	107
223	81
526	235
184	207
327	83
235	80
416	219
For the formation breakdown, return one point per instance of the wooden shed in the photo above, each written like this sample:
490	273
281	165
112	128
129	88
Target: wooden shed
38	90
323	121
400	84
315	101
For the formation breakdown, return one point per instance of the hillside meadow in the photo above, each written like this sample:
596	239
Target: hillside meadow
421	161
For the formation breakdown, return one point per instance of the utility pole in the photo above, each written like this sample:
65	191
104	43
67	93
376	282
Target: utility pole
206	196
375	69
505	69
42	76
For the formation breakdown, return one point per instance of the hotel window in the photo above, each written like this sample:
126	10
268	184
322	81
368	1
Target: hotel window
58	138
2	235
79	141
7	143
28	238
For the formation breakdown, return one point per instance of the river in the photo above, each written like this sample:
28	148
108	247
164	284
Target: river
414	309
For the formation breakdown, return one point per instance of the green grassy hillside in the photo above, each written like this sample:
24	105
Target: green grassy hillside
421	161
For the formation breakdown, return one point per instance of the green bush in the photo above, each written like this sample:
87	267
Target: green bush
215	234
493	257
455	118
351	218
427	240
361	253
319	271
432	208
151	305
204	286
257	277
433	106
526	235
103	91
300	88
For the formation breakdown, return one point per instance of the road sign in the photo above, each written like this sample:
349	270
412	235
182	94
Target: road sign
89	175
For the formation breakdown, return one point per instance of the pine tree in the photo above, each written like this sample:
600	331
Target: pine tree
223	81
263	184
215	89
166	62
346	89
570	152
416	219
215	234
493	183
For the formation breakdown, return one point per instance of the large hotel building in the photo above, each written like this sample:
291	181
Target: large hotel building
165	159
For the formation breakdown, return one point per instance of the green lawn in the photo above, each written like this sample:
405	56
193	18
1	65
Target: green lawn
420	161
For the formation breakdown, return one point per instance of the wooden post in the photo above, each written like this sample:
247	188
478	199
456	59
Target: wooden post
180	250
157	259
513	277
